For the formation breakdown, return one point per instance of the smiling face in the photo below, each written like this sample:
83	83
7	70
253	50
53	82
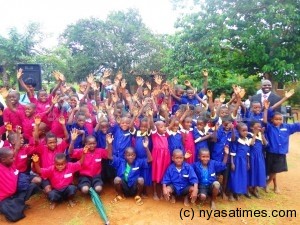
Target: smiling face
177	158
60	164
256	107
130	155
266	86
204	157
277	120
13	97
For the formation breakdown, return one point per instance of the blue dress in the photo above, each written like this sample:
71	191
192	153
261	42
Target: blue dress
175	141
239	177
257	172
199	144
141	155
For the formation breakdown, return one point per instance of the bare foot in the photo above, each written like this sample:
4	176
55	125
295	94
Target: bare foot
224	196
72	203
186	201
276	190
173	200
155	197
52	205
213	205
231	198
267	189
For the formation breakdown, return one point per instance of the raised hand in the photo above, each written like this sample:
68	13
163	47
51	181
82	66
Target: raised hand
19	129
35	158
62	120
109	138
55	99
266	104
187	83
187	155
205	72
139	81
8	127
74	134
90	78
289	93
209	94
226	149
119	75
158	79
19	73
135	112
222	98
85	149
242	92
114	98
135	97
106	73
61	77
148	84
145	142
56	75
37	120
145	91
175	81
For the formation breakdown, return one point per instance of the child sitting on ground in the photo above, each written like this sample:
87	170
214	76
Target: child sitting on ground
180	180
128	181
60	176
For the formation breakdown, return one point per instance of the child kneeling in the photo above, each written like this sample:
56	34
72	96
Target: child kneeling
128	181
206	170
180	180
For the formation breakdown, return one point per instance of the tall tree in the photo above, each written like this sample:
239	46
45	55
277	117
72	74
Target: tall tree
121	42
233	37
18	48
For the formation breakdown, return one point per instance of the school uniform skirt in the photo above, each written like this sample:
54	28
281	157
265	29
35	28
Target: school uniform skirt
275	163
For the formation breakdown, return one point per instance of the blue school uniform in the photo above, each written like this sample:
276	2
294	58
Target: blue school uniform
257	172
78	142
192	101
175	141
122	140
238	181
208	175
100	138
278	137
223	138
180	179
135	169
142	155
199	144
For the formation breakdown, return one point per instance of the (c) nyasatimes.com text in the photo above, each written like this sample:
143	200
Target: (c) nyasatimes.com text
190	213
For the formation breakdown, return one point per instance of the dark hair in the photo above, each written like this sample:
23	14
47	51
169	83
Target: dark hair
253	122
60	156
177	150
240	125
226	119
50	135
30	81
88	138
4	152
201	118
203	150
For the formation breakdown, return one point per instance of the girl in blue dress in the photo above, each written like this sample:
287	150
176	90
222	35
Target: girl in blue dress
175	136
140	136
240	163
257	172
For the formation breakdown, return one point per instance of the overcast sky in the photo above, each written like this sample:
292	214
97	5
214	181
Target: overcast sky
55	15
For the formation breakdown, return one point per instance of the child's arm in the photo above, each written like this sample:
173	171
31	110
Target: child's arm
37	122
85	150
62	121
287	95
60	78
252	142
53	102
151	122
264	140
211	106
236	106
232	163
109	140
90	80
226	152
18	140
200	100
74	135
266	107
146	144
24	86
71	116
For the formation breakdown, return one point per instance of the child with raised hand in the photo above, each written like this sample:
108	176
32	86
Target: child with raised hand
206	170
90	172
277	134
175	137
240	162
12	201
61	178
180	180
43	100
128	181
257	172
160	153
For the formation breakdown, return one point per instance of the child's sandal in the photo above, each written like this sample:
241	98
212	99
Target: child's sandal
118	198
138	200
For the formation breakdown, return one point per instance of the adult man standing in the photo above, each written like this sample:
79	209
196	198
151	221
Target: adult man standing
266	94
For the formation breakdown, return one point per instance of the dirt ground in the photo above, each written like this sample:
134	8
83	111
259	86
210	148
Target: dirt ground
162	212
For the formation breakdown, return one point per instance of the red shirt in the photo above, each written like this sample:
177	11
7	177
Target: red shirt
56	127
28	124
47	156
8	181
60	179
12	117
41	106
92	165
21	159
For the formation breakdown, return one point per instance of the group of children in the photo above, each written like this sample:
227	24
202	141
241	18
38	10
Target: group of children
180	142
